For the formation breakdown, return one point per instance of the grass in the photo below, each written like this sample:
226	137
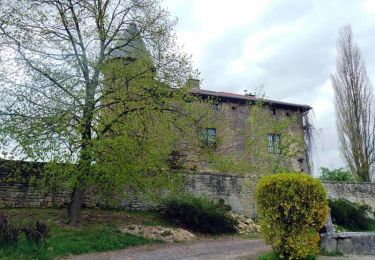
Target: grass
65	241
98	231
274	256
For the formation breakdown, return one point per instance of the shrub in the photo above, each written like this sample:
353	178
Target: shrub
39	234
339	174
8	233
292	207
200	214
352	216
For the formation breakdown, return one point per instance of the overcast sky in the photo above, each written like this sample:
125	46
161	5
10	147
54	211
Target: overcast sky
287	45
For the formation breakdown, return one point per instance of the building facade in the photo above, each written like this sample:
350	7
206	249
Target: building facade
254	134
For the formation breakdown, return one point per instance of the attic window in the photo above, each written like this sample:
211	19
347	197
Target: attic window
273	111
287	114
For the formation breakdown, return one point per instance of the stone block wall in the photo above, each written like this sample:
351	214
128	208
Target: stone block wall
236	191
354	192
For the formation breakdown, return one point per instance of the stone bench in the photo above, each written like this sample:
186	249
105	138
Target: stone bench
357	243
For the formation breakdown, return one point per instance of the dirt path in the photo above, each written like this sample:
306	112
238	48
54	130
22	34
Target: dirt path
224	248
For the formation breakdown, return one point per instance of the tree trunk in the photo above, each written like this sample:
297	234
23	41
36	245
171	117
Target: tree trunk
74	211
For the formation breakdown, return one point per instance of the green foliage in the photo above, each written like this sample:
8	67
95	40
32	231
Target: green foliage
87	88
200	214
9	234
292	207
97	232
352	216
254	130
38	234
67	241
275	256
339	174
261	123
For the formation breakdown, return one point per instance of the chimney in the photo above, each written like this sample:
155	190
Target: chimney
193	83
249	94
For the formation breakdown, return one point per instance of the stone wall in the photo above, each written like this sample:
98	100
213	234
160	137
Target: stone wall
354	192
235	190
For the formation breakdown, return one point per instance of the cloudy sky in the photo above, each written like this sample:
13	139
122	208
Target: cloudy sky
287	45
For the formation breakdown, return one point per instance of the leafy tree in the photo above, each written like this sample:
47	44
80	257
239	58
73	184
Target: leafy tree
354	102
339	174
287	147
82	84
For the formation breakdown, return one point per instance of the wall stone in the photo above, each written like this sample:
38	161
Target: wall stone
237	191
354	192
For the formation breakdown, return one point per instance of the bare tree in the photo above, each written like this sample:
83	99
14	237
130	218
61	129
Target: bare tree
52	83
354	104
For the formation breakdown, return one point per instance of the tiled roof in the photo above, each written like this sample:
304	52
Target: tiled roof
226	95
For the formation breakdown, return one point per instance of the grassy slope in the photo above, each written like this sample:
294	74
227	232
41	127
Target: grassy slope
97	232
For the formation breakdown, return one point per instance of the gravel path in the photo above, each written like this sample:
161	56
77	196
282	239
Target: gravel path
224	248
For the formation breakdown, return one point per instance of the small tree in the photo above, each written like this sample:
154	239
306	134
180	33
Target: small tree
292	208
354	104
285	145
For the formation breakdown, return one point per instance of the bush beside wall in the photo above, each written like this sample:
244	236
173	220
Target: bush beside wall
292	207
200	214
352	216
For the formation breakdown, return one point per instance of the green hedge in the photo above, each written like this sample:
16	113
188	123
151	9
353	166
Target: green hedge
200	214
352	216
292	207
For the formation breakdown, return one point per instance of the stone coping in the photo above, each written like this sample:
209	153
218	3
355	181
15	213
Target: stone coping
351	234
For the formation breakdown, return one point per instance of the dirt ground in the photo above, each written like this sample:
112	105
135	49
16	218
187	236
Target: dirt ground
223	248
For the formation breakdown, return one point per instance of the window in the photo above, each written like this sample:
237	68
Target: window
274	143
273	110
209	136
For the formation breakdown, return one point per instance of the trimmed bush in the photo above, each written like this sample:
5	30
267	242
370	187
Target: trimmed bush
351	215
292	207
200	214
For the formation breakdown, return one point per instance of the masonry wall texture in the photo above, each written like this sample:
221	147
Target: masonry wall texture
235	190
354	192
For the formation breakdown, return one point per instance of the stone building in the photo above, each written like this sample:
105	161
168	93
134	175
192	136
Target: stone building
280	134
247	132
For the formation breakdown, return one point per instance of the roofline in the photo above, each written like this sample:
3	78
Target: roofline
233	96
